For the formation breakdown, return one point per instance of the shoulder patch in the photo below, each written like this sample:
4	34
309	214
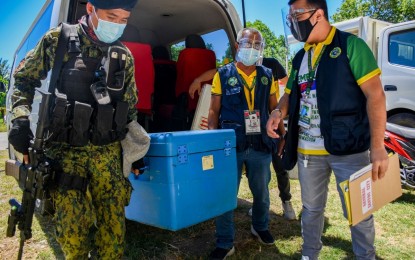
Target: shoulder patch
335	53
264	80
232	81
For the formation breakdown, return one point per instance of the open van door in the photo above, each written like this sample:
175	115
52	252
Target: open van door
162	23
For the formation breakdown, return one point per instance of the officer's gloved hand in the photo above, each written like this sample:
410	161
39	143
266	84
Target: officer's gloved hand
20	135
138	167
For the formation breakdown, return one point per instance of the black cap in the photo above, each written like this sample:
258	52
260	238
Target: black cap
114	4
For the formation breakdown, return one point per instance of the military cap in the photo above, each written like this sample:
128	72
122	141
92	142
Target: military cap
114	4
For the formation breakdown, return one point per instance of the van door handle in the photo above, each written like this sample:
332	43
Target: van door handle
390	88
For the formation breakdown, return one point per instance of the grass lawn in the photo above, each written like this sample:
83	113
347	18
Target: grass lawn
394	226
3	127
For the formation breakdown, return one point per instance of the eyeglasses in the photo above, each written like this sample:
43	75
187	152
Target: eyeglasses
295	14
247	44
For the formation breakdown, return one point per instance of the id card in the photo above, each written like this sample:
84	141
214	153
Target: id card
252	122
305	115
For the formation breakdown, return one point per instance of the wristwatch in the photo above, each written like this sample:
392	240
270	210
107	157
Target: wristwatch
278	110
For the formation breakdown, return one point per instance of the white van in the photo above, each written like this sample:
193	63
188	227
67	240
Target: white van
396	59
164	23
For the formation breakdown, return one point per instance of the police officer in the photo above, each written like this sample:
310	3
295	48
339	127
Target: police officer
240	90
98	102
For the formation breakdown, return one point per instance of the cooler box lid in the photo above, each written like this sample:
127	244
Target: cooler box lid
173	143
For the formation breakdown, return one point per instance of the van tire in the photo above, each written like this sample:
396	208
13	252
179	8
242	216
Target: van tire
403	119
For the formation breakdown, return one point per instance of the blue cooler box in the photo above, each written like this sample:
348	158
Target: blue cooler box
191	176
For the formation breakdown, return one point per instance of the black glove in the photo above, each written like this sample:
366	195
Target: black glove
138	165
20	135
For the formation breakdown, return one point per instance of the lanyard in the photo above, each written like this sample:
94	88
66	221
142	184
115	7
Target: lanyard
250	89
312	70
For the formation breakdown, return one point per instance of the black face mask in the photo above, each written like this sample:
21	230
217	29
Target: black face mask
304	29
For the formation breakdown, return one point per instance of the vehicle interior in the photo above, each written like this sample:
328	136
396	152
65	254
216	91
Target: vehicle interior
166	39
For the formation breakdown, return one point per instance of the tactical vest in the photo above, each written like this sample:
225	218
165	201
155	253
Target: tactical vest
341	103
77	117
233	104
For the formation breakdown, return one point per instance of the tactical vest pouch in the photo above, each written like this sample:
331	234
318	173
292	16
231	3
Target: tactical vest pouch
114	66
67	182
79	134
120	120
59	128
77	77
102	128
100	93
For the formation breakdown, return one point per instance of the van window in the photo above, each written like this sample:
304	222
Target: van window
401	48
39	29
217	41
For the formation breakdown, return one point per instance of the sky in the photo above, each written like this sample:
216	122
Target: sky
15	19
17	16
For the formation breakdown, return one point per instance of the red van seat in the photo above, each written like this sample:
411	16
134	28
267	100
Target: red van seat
144	75
192	62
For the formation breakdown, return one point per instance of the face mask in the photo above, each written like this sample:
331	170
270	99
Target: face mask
302	29
108	32
248	56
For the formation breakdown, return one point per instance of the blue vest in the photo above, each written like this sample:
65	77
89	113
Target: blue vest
341	104
233	104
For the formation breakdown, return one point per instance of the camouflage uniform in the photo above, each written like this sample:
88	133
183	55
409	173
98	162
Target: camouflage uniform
108	191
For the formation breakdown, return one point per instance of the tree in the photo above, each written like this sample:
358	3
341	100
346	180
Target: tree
274	45
4	72
2	100
406	10
4	81
228	54
209	46
175	50
393	11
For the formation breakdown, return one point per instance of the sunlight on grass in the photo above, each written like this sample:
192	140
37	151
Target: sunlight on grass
3	127
394	227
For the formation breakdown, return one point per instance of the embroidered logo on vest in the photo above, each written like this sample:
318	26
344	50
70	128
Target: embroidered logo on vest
335	53
232	81
264	80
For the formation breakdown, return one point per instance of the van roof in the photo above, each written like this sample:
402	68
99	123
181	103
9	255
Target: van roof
178	18
165	22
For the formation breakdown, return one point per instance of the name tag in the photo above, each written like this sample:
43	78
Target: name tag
305	115
252	122
233	91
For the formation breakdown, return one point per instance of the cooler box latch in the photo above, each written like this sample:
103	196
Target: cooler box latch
182	154
228	148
